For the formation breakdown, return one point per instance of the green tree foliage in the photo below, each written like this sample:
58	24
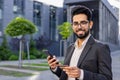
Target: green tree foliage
65	30
20	26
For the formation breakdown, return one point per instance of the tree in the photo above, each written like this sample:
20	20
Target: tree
65	31
19	27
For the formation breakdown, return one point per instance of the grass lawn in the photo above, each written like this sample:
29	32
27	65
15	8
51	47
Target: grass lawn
34	64
40	64
14	73
27	68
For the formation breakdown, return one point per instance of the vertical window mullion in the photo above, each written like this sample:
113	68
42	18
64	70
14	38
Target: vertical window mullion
37	13
52	23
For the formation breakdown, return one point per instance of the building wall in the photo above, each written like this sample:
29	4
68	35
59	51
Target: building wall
108	25
43	29
7	12
45	20
105	26
29	10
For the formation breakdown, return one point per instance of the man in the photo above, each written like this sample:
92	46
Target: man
86	59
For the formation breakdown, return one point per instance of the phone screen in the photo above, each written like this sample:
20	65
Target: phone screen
49	54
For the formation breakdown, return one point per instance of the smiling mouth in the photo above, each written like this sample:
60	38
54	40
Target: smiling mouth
80	30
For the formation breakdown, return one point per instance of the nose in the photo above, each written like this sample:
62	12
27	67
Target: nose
79	26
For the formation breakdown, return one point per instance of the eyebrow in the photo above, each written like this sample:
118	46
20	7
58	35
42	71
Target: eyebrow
80	21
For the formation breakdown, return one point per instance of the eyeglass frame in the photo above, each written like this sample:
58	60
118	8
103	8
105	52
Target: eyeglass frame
82	23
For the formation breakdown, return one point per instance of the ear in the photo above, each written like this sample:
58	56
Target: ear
91	24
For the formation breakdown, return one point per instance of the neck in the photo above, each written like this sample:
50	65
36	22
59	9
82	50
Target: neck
80	41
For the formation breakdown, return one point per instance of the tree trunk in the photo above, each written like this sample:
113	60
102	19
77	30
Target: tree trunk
28	51
63	47
21	49
20	54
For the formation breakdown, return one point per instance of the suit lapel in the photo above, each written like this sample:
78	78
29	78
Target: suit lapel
68	58
85	50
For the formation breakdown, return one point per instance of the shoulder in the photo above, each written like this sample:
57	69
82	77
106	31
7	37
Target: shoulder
101	45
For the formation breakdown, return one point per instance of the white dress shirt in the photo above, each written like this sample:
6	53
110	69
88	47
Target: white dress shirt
76	55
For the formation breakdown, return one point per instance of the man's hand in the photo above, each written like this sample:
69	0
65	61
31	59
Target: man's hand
53	63
72	72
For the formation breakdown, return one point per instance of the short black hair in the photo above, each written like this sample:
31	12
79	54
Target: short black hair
80	9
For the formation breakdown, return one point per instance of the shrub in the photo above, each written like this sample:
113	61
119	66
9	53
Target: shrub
32	57
43	55
13	57
5	52
37	53
34	51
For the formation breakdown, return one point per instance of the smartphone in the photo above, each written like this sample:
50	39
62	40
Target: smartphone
62	66
48	53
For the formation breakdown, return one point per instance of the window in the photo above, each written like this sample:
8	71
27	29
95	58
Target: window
18	7
1	15
64	15
37	13
53	23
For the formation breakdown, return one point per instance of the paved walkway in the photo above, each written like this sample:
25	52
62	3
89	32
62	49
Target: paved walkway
116	65
38	75
45	75
20	70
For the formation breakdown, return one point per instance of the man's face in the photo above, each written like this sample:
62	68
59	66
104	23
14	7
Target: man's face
81	26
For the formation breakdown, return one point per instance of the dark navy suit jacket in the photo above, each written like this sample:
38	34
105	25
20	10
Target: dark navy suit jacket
95	60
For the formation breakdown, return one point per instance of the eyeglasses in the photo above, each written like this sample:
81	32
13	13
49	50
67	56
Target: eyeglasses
82	23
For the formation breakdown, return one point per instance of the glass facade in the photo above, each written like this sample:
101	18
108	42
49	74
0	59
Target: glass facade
64	15
52	28
18	7
0	14
37	13
1	5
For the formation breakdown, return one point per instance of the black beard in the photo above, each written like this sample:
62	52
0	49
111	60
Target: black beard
83	36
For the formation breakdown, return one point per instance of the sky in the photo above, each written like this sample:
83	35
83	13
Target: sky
58	3
115	3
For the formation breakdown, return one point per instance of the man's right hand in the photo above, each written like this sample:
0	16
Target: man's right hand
53	62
